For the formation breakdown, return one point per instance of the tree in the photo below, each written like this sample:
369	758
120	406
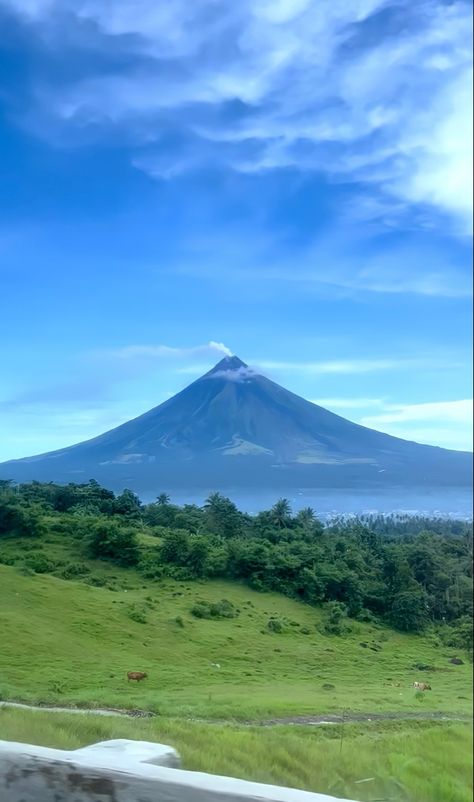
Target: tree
306	519
111	541
17	521
281	513
127	504
163	499
222	516
175	547
409	610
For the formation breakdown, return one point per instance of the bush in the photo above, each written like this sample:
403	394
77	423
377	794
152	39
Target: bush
275	625
96	581
40	564
366	616
73	571
137	614
110	541
201	610
460	636
335	619
221	609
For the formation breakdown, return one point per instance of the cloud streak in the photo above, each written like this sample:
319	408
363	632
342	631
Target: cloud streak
131	352
352	366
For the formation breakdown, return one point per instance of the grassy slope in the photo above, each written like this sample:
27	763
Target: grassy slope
67	642
409	763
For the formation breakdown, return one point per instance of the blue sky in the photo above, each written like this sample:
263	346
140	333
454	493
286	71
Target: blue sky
289	181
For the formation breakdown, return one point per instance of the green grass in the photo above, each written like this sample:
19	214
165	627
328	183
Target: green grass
409	762
66	642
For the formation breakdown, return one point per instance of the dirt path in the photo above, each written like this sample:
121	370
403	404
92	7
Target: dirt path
319	720
331	718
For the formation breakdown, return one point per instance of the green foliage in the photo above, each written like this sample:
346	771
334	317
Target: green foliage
335	619
221	609
410	572
409	611
275	625
416	761
460	635
110	541
40	564
138	613
16	521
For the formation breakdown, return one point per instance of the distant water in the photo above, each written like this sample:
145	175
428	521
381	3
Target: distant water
449	502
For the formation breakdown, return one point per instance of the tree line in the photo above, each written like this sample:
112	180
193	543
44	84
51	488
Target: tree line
411	572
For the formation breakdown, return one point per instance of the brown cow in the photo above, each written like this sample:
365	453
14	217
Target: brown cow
422	686
136	675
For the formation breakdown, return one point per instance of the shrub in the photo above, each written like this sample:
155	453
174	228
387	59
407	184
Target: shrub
366	616
137	614
110	541
179	621
201	610
96	581
221	609
40	564
335	620
459	636
275	625
73	571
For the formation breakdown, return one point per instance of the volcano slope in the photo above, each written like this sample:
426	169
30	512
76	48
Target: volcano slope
234	428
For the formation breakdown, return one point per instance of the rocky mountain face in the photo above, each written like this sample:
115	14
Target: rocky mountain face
234	428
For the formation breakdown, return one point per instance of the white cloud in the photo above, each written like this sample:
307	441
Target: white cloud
454	411
442	423
365	91
347	403
211	349
351	366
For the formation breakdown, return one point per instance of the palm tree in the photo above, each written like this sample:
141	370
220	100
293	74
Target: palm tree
306	517
163	499
281	512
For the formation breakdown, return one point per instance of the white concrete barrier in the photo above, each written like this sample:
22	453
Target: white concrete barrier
123	771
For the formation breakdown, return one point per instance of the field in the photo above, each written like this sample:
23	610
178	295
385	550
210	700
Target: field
415	762
214	682
67	642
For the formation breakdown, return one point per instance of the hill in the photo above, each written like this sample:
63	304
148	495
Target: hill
234	428
65	642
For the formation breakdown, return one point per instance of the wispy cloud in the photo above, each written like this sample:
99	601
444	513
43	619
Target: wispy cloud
352	366
210	349
453	411
348	403
368	91
442	423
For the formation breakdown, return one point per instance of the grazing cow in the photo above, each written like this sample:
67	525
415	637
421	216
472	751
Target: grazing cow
136	675
422	686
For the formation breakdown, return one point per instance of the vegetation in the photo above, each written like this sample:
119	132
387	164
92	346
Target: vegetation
409	573
243	618
412	762
72	642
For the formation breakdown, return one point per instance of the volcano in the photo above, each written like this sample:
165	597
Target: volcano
234	428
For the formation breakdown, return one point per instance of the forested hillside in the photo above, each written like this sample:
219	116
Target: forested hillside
411	574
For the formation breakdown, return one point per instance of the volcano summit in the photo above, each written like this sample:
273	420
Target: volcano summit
234	428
